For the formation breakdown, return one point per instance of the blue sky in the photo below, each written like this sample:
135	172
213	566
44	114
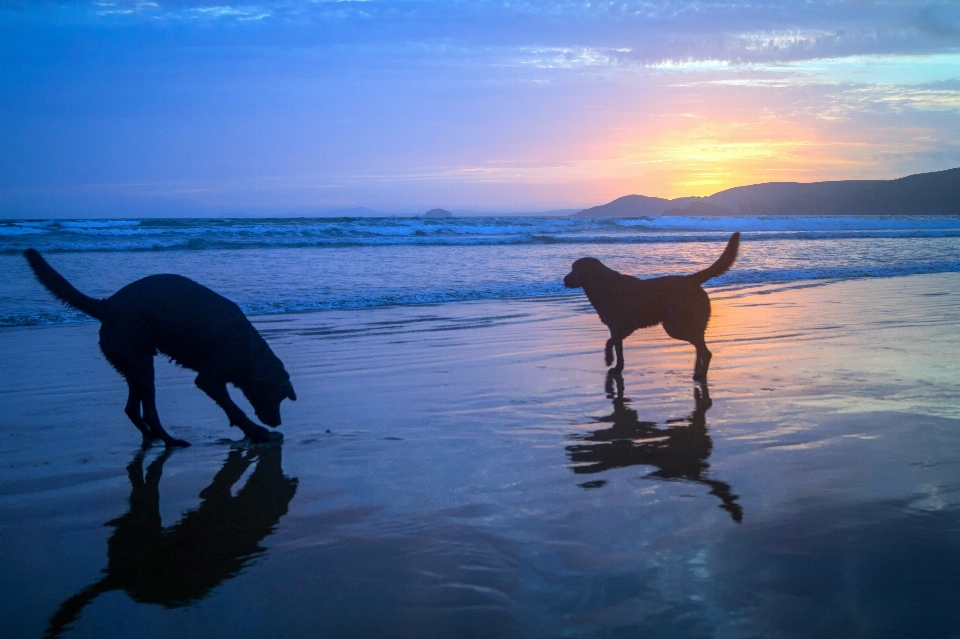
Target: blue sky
182	107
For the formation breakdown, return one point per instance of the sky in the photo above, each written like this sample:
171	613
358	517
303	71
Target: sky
285	107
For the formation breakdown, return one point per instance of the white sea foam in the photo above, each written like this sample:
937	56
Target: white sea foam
97	224
154	235
19	230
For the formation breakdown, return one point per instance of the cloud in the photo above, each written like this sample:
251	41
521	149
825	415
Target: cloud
481	100
106	7
241	13
638	31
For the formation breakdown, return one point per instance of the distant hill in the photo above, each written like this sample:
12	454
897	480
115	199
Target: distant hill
628	206
438	213
935	193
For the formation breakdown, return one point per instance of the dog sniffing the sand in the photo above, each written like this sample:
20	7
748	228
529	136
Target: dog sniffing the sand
626	303
193	326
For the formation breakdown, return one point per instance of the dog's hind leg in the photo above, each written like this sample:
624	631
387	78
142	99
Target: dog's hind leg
685	317
132	410
136	365
608	352
703	353
217	391
152	418
703	361
139	376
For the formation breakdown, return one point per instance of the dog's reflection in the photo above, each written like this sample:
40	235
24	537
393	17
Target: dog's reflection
182	563
678	450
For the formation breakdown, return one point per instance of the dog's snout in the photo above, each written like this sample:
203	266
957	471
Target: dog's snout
269	417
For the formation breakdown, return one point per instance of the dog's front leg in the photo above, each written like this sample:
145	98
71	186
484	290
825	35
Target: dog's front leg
619	346
227	476
615	342
217	391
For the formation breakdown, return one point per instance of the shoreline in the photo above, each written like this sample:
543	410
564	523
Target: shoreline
718	292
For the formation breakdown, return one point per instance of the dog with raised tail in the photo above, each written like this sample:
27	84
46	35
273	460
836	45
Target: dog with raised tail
193	326
626	303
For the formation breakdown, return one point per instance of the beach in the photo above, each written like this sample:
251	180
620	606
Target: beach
468	469
416	205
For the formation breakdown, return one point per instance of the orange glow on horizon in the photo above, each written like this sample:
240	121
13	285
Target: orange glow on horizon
676	136
716	154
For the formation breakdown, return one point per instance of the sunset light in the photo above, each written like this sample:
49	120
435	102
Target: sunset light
280	106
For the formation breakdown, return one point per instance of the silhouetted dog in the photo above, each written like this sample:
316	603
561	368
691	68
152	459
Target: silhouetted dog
678	450
179	565
194	327
625	303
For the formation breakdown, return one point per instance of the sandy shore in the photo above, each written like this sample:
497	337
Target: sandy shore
462	470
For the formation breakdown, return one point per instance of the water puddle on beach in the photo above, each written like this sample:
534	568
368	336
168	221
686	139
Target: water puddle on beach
471	470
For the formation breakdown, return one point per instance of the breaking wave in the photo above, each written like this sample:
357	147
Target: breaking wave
65	236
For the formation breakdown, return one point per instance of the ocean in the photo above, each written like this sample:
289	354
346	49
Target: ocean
271	266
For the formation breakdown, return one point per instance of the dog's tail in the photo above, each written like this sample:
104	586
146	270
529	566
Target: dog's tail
70	609
61	288
723	264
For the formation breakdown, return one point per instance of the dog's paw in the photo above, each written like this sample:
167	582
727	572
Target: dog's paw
269	436
608	358
176	443
261	435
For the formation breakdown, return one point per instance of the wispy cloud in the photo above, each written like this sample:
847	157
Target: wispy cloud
642	31
106	8
473	102
237	12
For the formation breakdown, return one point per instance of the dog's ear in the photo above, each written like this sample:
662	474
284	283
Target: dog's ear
292	396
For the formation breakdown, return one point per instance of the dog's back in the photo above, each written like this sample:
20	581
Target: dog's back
637	303
626	303
180	318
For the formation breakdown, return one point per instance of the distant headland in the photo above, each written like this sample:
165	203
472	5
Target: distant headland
438	213
935	193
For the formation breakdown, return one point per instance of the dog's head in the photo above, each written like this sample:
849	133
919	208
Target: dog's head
583	271
268	385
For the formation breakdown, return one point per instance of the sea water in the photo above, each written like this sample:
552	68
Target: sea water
312	264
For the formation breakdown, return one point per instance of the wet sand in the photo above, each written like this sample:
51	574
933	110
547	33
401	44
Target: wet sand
470	470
